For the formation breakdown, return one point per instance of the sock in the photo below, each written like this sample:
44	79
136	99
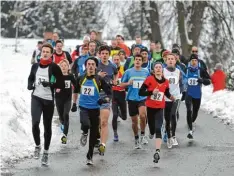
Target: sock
136	137
38	146
142	133
46	151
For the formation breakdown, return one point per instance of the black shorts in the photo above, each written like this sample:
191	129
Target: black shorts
133	107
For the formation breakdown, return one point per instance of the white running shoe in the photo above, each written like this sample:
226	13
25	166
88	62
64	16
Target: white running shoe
169	143
137	144
174	141
143	140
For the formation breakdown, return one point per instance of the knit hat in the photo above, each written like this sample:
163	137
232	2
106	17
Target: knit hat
193	56
144	49
175	51
137	46
218	66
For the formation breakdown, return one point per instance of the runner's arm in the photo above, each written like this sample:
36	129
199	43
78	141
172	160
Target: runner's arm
68	56
76	90
31	78
56	71
105	87
144	91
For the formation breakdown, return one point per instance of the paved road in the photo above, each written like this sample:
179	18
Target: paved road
210	154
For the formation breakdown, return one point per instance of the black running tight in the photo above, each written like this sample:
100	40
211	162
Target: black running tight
155	121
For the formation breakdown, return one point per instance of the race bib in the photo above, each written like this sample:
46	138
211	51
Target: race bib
157	97
87	90
137	84
192	81
119	81
172	80
67	84
40	80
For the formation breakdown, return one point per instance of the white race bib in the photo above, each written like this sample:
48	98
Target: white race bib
137	84
172	80
40	80
157	97
118	81
87	90
192	81
67	84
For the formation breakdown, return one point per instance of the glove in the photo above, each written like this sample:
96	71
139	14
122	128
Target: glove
31	87
74	108
102	101
200	80
45	84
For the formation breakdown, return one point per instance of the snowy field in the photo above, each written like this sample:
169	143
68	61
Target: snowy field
16	139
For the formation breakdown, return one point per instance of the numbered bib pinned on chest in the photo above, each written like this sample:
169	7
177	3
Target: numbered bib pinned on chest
137	84
67	84
192	82
157	97
87	90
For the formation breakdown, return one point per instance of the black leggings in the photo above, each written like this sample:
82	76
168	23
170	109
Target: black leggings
155	121
193	106
63	108
170	115
39	106
118	101
89	119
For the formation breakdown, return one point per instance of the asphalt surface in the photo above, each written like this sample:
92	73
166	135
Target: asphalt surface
211	153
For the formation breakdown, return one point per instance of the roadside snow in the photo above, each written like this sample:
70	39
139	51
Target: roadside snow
219	104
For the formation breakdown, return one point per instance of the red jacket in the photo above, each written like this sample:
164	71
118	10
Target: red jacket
218	80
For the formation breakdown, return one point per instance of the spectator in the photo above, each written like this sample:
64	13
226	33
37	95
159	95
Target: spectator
218	78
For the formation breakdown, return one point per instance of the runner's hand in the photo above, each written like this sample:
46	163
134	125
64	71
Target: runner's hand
45	84
58	90
74	108
102	74
130	82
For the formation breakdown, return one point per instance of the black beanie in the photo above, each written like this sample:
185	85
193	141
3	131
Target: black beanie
92	58
175	51
193	56
144	49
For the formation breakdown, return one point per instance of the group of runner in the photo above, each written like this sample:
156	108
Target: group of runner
150	84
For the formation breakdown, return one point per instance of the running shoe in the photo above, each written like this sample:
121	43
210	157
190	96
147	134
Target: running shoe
174	141
143	139
137	144
89	162
44	159
169	143
83	139
102	149
37	152
64	139
116	138
156	157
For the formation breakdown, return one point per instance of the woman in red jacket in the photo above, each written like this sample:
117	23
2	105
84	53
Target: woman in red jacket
218	78
155	87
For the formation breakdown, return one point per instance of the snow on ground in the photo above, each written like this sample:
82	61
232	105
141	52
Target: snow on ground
16	139
219	104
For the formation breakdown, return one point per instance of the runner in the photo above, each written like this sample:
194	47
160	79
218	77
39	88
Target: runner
78	67
202	64
133	79
119	106
155	87
174	75
89	86
114	48
122	45
59	54
146	63
92	48
93	37
55	36
63	99
122	56
109	73
78	51
42	81
130	61
155	51
196	77
48	37
138	41
37	53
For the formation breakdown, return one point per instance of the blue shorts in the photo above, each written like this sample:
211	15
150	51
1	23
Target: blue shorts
105	106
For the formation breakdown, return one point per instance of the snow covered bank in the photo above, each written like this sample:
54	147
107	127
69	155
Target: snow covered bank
219	104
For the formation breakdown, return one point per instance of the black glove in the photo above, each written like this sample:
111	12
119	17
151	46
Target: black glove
101	101
45	84
199	80
74	107
31	87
